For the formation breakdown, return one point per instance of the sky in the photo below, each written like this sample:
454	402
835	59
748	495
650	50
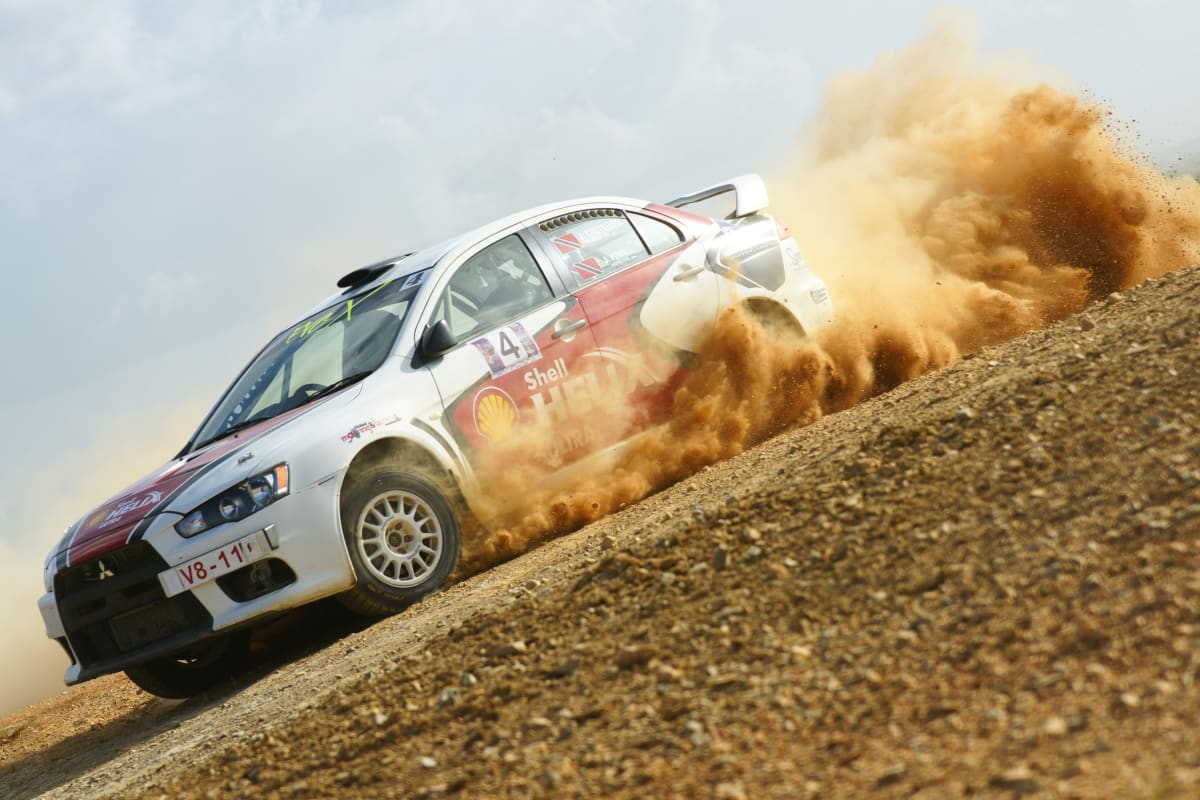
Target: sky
179	180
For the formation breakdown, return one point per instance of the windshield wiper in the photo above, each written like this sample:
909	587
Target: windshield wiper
333	387
234	428
246	423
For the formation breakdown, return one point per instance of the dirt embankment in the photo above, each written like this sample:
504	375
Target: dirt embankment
984	581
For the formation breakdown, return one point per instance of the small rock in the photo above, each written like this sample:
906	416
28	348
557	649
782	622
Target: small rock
1054	726
667	579
729	790
468	679
380	719
753	553
629	657
1085	323
449	696
720	558
427	762
697	512
890	776
1017	779
564	670
510	649
922	582
965	414
1115	297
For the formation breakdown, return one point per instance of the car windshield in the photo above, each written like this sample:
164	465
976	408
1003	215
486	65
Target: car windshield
334	347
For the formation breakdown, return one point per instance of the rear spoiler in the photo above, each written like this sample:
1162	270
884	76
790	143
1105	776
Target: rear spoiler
750	195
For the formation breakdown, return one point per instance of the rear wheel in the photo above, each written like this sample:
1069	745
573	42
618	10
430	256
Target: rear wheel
403	540
194	669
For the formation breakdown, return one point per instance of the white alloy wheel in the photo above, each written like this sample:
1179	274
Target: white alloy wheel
400	538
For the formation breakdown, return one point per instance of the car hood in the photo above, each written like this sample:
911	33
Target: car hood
119	519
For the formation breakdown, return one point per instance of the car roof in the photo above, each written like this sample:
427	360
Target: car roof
407	264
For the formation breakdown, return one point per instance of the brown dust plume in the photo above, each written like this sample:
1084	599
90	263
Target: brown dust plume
949	204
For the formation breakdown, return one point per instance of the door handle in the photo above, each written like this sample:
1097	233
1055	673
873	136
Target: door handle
565	329
687	273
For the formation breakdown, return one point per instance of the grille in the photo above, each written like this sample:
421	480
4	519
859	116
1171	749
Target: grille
114	604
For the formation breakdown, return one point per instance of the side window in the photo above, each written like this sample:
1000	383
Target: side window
595	242
498	283
657	235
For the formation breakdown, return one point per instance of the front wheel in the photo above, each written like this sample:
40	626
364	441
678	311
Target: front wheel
194	669
403	541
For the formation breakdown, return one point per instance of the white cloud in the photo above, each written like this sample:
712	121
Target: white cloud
164	291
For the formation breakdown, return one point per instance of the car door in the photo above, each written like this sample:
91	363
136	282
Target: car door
521	336
649	300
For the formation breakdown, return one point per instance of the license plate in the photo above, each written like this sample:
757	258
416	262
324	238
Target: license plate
215	563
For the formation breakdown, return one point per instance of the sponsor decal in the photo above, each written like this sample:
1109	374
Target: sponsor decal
416	279
495	414
367	428
567	397
507	349
358	431
588	268
568	243
536	378
133	504
343	311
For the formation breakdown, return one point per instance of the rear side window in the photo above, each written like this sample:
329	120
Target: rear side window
657	235
595	243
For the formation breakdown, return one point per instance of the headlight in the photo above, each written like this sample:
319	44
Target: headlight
236	502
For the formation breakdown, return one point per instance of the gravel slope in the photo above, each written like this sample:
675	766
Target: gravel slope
984	582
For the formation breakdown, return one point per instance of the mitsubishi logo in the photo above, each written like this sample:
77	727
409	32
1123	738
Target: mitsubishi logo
102	571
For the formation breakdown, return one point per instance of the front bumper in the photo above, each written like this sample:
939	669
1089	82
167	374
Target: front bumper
125	618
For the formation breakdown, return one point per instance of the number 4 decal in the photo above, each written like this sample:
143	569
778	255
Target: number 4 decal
507	349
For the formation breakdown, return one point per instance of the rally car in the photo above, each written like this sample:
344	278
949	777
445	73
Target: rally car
337	461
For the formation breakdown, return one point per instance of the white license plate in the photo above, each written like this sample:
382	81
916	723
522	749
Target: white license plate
215	563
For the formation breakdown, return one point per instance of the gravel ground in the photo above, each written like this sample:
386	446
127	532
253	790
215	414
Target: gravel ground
985	582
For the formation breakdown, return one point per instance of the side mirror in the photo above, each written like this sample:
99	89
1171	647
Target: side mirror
436	341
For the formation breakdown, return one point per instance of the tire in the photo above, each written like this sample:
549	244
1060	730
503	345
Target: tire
776	320
195	669
403	539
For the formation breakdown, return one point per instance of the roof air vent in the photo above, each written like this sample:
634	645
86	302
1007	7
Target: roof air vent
361	276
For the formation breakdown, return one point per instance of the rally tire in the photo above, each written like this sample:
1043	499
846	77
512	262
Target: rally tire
195	669
403	539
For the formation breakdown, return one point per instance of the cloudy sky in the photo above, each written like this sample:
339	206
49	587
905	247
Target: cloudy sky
177	180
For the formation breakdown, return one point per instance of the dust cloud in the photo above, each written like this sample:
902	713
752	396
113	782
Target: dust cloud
949	202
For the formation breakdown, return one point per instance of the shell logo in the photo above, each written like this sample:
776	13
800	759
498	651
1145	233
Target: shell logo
495	414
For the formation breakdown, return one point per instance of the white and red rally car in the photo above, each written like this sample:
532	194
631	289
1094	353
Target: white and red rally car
336	462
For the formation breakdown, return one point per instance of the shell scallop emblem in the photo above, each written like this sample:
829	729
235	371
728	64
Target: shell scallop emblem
495	414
